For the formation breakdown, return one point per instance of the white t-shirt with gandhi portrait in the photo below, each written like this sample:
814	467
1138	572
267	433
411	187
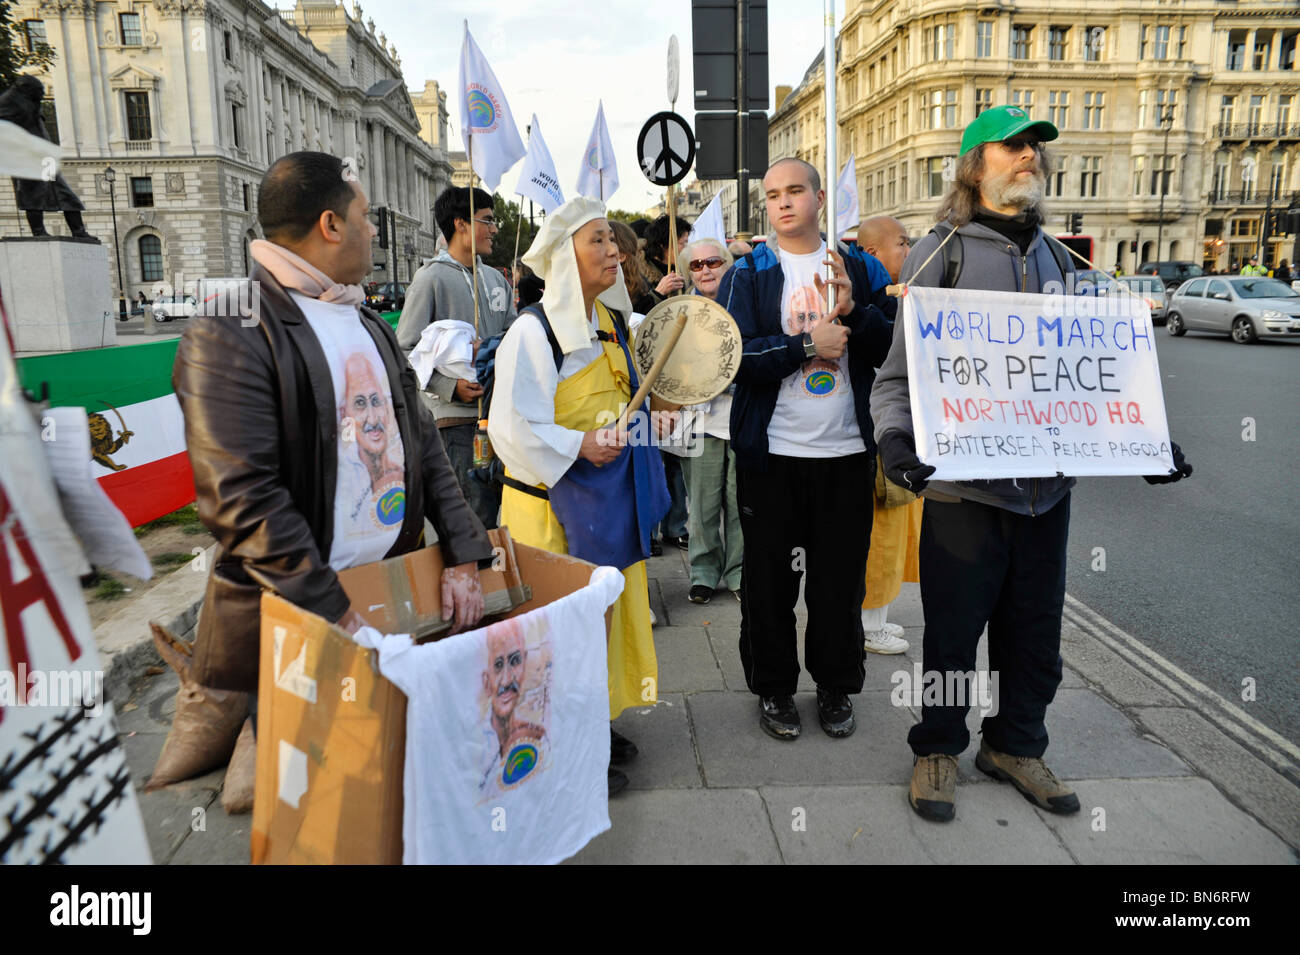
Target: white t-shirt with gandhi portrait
370	493
814	416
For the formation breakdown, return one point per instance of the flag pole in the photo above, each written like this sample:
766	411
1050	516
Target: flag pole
473	245
672	230
831	180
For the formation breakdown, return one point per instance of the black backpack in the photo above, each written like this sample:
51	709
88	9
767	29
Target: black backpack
953	256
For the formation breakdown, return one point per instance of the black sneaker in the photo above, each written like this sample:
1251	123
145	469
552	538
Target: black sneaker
683	542
836	712
617	782
779	717
621	749
656	548
700	594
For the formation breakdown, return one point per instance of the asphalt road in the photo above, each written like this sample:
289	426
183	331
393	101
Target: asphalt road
1205	571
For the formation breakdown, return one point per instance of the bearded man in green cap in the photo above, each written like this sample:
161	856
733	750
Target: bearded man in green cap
992	552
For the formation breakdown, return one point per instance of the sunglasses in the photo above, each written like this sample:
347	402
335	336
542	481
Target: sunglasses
711	262
1018	145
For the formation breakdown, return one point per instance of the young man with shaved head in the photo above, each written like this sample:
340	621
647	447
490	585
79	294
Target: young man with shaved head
805	457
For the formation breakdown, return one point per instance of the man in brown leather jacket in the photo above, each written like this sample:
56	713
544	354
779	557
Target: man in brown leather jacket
274	418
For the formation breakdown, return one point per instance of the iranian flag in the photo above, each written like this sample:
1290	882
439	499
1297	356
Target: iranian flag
137	434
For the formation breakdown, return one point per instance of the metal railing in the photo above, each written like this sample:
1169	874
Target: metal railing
1256	130
1252	197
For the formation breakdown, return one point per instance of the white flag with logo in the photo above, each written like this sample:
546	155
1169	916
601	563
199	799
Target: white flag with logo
537	180
846	200
486	123
598	178
709	224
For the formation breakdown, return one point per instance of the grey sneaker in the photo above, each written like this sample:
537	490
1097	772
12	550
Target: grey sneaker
1035	781
933	793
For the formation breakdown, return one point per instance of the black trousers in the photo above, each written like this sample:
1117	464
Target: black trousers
810	516
984	565
484	501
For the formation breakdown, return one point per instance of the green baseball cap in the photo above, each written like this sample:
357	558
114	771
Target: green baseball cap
1002	122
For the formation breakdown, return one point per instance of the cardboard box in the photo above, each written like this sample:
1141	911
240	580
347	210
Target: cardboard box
332	731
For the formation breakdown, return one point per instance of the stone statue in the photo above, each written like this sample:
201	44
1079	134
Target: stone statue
21	105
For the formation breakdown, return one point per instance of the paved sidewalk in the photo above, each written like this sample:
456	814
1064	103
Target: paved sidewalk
1159	781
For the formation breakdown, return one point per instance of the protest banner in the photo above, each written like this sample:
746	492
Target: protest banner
1006	384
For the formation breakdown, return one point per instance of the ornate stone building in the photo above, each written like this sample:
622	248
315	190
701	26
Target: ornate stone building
914	73
190	101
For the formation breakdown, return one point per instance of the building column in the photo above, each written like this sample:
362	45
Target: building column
390	167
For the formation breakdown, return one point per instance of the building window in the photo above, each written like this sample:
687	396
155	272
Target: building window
1056	40
1056	181
1094	41
1144	33
1024	99
1058	108
151	263
130	24
248	205
1284	112
237	124
893	124
932	176
1166	101
1161	51
983	100
1286	50
33	34
1263	45
1094	105
1236	50
984	38
1276	174
1256	114
227	46
141	192
880	188
1182	41
902	185
940	42
1245	228
1021	39
1222	174
1139	167
941	109
1090	177
270	145
51	118
1161	173
1227	110
893	185
138	125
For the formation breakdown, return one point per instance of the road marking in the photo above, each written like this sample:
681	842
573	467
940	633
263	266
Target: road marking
1280	752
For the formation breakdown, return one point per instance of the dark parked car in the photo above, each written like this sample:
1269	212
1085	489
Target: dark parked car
1174	273
386	296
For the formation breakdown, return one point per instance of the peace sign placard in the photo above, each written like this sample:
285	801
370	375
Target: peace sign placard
665	148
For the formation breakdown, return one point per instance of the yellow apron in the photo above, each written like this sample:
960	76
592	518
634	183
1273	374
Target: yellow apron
603	386
892	558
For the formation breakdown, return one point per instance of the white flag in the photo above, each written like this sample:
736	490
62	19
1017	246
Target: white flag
846	200
709	224
537	180
486	124
598	178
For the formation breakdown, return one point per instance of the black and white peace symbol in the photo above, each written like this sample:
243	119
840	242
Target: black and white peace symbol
665	148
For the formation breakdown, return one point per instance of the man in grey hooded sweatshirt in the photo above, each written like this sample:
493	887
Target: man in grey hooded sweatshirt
444	289
992	552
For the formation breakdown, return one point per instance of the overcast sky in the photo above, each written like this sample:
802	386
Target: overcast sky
557	60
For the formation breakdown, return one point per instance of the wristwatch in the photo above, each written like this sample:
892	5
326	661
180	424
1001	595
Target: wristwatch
809	349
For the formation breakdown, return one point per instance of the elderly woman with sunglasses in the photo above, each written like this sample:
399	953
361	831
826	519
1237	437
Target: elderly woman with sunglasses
715	543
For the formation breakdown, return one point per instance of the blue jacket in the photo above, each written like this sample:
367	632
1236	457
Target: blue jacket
751	292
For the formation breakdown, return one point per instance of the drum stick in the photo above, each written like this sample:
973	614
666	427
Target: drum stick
661	359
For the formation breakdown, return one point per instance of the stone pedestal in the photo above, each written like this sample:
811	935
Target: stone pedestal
57	293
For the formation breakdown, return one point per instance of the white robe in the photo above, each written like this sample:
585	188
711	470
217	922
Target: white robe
521	424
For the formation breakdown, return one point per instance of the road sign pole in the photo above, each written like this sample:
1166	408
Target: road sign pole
742	116
832	157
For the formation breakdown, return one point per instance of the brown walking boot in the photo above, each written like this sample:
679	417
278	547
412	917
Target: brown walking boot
1035	781
934	787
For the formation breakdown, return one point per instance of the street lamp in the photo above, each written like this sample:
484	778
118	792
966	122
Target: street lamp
110	176
1167	122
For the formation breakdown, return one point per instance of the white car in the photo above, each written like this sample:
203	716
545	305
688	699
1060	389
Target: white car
1247	307
168	307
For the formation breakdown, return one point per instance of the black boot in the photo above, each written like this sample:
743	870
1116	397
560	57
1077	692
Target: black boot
76	225
36	221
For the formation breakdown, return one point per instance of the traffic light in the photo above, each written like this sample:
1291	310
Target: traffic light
1076	223
1133	246
382	212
